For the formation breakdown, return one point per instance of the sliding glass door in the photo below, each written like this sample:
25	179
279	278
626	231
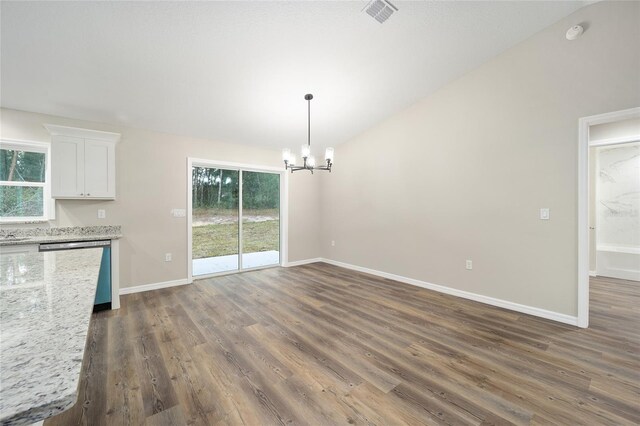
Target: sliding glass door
215	220
260	219
235	216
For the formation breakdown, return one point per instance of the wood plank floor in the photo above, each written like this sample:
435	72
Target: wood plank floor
322	345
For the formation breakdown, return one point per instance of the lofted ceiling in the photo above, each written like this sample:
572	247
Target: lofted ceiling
238	71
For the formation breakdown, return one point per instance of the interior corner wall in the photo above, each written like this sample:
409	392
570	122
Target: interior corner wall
151	179
463	173
304	208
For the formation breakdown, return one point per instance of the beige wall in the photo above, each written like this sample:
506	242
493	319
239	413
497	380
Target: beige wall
463	173
151	180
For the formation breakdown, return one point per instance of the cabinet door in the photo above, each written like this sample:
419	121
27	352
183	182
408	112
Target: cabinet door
100	169
67	167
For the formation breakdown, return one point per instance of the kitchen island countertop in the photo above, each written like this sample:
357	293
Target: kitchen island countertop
23	236
46	300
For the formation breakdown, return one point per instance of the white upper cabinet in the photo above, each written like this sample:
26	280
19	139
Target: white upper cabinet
100	167
67	167
83	163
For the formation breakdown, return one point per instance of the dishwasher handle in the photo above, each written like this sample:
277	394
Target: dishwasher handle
73	245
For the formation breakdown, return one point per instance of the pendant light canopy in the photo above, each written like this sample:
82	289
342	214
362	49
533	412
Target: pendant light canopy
308	160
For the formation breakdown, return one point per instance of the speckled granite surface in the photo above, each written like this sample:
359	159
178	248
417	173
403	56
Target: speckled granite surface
46	300
15	236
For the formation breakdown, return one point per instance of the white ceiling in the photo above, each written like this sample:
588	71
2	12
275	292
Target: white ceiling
238	71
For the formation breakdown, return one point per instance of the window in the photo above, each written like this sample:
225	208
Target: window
25	182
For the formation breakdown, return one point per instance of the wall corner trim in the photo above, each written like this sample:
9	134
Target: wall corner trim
530	310
154	286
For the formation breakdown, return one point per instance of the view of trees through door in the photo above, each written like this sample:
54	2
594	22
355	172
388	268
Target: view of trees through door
235	219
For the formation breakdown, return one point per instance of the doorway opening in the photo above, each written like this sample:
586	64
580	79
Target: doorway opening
608	201
614	205
235	219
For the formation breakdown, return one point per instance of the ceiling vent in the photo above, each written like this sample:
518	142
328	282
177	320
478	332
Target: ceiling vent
380	10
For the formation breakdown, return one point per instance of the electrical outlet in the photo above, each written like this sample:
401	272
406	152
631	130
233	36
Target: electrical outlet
178	212
469	264
102	213
167	257
333	243
544	214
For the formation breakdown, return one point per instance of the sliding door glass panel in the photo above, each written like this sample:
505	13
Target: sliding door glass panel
215	218
260	219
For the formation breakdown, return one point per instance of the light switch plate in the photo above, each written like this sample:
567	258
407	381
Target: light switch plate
544	214
178	212
102	213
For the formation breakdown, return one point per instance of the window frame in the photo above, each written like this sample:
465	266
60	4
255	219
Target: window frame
48	207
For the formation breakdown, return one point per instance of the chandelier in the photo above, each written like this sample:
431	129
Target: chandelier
308	160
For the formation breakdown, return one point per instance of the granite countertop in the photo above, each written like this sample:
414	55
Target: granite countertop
46	300
21	236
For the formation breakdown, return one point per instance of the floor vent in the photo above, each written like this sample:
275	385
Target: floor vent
380	10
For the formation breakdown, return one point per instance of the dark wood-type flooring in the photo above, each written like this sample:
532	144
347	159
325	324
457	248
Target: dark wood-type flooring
322	345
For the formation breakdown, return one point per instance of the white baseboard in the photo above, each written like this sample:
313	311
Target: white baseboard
303	262
593	274
538	312
153	286
174	283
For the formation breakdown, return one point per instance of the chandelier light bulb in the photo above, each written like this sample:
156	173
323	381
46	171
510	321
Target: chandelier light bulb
292	159
286	154
305	151
328	154
311	161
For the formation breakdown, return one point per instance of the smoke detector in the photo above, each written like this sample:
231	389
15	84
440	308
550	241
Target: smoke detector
380	10
574	32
